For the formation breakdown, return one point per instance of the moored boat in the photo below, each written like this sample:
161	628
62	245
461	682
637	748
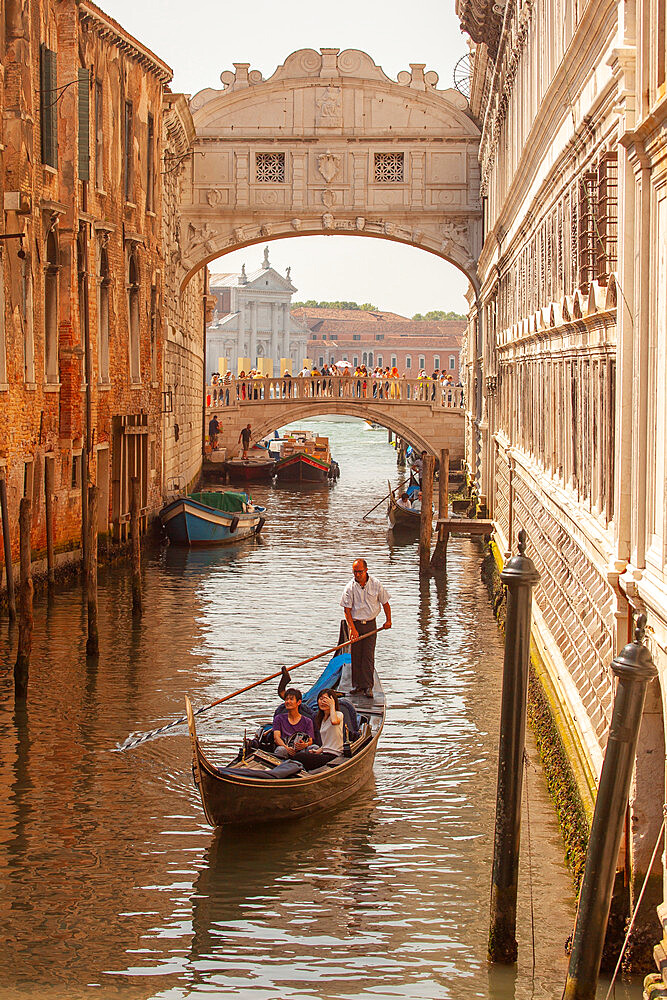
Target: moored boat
213	518
258	466
304	457
257	787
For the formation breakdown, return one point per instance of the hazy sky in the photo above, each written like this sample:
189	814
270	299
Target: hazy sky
202	38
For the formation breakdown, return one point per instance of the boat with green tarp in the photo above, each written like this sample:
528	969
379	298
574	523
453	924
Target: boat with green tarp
212	518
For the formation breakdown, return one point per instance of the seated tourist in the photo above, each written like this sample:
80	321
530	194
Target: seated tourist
292	731
404	502
330	721
417	502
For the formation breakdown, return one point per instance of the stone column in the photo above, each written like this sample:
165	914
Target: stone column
286	324
240	339
253	333
275	306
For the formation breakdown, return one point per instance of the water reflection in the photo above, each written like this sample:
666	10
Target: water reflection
112	884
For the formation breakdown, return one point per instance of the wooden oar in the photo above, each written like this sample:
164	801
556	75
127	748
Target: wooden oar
133	741
382	501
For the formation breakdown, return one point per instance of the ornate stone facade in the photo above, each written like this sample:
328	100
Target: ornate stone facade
327	144
566	347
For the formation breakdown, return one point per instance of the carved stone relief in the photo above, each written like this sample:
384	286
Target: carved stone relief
329	105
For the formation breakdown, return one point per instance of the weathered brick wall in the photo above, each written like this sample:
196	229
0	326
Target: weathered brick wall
42	416
184	316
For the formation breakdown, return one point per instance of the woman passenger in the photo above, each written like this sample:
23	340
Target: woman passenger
330	722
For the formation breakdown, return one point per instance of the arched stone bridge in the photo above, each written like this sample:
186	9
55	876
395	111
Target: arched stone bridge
425	413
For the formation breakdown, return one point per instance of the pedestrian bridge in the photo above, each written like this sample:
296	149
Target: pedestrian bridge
428	414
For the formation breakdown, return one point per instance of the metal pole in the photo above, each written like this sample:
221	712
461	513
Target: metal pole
520	576
7	540
634	668
426	516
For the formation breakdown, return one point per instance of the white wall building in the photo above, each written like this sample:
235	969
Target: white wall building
252	319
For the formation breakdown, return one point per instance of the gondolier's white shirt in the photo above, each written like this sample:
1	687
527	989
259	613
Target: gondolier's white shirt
364	602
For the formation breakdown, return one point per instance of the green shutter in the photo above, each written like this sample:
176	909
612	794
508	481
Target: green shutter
84	125
48	106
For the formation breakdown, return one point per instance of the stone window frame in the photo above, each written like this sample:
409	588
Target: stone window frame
103	313
422	361
452	362
385	167
51	306
262	164
133	288
436	362
76	470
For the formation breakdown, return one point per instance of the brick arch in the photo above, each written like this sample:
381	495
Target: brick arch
329	144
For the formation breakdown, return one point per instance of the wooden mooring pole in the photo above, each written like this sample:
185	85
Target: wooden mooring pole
520	576
137	607
426	516
634	668
22	665
93	640
439	557
49	470
7	542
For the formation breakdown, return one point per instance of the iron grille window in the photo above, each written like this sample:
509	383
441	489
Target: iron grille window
607	217
48	96
379	336
270	168
389	168
587	226
356	336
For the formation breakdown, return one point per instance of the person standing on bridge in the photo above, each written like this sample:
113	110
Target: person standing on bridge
213	431
361	601
244	439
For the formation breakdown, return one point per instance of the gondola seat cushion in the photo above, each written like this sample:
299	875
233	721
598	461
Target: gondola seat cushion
288	769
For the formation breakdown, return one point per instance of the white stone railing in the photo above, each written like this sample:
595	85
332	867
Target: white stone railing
366	390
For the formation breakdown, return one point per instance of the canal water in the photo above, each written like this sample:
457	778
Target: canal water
111	883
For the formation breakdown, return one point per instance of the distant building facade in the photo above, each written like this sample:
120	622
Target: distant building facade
252	320
370	338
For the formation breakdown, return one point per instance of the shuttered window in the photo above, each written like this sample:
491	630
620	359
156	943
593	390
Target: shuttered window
84	124
150	181
48	106
127	150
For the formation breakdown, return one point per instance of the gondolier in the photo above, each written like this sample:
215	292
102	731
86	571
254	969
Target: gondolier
362	600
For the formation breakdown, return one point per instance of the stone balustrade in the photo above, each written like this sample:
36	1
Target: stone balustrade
335	387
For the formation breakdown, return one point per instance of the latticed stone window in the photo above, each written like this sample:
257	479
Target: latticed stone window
389	168
270	168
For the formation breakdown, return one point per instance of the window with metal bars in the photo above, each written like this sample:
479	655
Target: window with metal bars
84	123
587	228
270	168
389	168
607	217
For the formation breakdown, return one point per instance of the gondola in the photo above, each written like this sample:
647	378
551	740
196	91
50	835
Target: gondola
400	517
256	787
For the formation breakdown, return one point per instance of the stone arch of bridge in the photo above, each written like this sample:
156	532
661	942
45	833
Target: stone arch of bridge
329	144
266	420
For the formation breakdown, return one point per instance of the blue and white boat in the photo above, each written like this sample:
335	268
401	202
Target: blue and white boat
213	518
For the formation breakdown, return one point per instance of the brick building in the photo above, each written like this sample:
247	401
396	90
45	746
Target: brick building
84	320
382	338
